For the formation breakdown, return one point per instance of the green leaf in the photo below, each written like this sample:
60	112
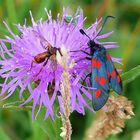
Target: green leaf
50	127
11	10
40	10
3	30
23	10
38	133
15	106
58	125
3	135
131	75
12	17
112	137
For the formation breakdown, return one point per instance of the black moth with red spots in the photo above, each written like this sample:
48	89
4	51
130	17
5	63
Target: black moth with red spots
104	74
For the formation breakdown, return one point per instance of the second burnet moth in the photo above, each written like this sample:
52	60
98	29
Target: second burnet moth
103	73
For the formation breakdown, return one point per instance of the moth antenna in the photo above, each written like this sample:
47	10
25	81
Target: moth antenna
104	24
83	33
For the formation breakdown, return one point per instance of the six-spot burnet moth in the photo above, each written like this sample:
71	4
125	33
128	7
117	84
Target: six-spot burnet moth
104	74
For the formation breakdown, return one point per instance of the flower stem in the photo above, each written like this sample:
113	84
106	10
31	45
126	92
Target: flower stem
65	92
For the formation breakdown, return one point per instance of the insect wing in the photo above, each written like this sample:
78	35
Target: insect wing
100	82
114	78
44	43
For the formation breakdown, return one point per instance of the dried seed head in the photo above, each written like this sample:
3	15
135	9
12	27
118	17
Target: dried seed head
118	109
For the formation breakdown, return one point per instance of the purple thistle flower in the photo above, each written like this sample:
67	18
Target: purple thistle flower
43	82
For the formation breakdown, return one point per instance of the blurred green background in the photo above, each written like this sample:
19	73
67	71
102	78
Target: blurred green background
17	125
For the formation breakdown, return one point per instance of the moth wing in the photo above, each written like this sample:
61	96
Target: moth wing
99	81
114	77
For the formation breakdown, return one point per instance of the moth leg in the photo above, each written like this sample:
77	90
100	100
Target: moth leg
88	58
81	51
88	75
85	52
75	51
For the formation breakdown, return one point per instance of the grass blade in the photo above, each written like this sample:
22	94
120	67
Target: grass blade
131	75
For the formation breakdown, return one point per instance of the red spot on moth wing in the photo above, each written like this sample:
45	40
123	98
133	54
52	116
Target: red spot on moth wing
118	79
102	81
93	62
96	78
113	73
98	64
108	56
97	93
108	74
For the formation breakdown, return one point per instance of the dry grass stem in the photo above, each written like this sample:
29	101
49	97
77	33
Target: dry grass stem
65	91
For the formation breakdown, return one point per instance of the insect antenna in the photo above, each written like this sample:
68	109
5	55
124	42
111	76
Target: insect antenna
83	33
103	25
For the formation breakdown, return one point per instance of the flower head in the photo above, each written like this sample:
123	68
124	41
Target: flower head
31	64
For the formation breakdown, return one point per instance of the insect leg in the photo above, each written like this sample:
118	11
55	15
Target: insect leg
81	51
60	52
88	75
85	52
88	58
43	65
33	61
75	51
